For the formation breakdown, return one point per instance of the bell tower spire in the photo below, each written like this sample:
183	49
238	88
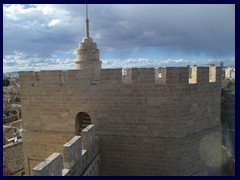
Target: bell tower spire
88	56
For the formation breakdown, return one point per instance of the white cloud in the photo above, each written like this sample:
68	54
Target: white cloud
20	62
53	22
149	34
43	32
143	62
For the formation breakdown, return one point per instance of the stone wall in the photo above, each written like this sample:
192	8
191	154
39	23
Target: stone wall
80	157
140	122
228	121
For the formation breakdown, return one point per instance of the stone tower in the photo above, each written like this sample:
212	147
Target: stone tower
146	124
88	55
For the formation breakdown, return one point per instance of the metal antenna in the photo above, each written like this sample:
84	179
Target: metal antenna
86	12
87	23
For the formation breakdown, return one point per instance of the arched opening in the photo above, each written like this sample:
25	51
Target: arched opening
82	120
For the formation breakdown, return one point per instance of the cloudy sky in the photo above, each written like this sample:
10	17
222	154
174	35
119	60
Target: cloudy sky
42	37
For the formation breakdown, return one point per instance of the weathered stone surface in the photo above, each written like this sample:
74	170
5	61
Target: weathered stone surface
52	166
72	152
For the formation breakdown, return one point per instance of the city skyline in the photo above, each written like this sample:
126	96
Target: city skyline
45	37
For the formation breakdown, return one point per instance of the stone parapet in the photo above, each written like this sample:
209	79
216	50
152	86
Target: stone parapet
80	157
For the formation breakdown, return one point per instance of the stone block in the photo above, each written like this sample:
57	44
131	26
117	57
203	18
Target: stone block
52	166
72	152
88	136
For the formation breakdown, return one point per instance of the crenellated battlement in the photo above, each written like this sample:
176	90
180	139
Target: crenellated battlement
146	76
140	106
80	157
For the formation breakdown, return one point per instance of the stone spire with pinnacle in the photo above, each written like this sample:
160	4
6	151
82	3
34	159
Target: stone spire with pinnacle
88	53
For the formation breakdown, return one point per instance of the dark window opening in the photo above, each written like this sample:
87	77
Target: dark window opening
81	122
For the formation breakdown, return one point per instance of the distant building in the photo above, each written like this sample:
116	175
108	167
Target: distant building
230	73
13	164
221	64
